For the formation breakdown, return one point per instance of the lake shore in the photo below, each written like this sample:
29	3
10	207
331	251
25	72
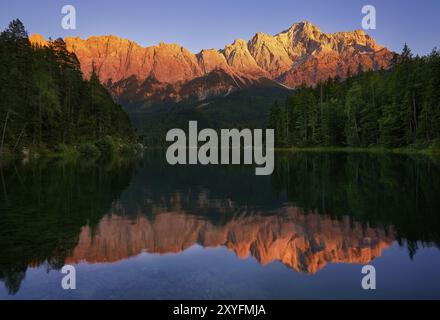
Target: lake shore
378	150
89	151
68	152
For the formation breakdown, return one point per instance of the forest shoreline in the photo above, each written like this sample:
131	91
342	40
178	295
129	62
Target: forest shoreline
378	150
375	150
86	151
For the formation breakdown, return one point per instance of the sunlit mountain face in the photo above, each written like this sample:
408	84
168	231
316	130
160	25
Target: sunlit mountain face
318	215
303	54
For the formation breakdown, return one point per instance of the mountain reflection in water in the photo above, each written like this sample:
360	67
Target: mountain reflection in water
305	243
316	209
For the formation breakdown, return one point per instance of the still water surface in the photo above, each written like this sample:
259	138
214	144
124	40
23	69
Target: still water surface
141	229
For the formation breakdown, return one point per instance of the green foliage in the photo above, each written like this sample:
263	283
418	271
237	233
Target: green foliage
106	146
89	150
396	108
278	122
46	102
130	149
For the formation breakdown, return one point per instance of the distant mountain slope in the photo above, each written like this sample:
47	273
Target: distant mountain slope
247	108
171	73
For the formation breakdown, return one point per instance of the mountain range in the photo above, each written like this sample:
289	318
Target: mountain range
169	73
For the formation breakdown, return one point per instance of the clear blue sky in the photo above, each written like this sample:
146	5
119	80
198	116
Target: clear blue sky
198	24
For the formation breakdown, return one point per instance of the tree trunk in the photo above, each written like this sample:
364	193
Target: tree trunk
415	115
4	132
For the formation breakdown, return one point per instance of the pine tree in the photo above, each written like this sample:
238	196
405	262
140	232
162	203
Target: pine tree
393	108
277	123
45	100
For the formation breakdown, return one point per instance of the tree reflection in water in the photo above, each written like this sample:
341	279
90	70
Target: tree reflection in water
316	208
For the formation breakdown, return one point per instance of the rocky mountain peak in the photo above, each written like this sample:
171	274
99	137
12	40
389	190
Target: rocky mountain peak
306	27
300	54
38	39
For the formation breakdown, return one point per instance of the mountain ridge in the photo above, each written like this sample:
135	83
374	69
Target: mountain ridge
302	54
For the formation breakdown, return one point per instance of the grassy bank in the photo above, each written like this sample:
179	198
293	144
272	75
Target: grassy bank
106	147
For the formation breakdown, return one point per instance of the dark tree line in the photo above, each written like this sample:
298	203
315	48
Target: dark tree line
44	100
399	107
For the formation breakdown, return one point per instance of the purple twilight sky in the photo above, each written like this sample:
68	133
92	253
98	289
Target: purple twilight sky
198	24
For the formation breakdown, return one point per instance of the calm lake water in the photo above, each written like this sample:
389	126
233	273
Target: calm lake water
141	229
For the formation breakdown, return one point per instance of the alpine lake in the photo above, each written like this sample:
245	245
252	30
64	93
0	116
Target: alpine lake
143	229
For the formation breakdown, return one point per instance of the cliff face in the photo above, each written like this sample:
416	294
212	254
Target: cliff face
301	54
317	56
304	242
